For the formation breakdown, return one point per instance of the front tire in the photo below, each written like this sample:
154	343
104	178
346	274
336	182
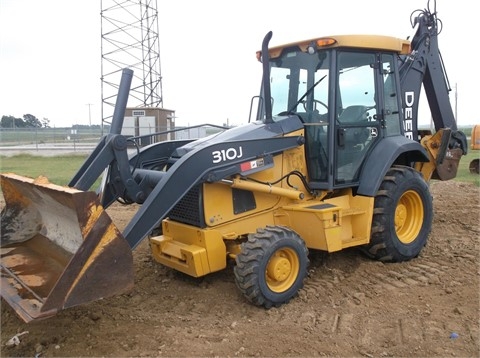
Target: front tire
271	267
402	216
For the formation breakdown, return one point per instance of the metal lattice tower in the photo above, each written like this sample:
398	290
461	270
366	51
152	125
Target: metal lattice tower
130	39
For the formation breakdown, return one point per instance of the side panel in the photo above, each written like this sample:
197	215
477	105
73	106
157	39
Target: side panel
332	224
222	203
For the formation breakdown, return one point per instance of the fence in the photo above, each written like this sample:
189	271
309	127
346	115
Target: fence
81	139
52	136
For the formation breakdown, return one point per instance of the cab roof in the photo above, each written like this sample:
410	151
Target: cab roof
377	42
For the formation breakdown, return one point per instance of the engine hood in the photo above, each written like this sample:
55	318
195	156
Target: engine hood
254	130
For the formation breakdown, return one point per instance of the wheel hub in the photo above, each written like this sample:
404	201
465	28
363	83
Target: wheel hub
279	268
408	216
400	216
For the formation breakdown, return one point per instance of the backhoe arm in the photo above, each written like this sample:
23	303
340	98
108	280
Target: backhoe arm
424	65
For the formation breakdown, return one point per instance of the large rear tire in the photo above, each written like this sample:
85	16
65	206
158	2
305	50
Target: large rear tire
402	217
271	267
474	166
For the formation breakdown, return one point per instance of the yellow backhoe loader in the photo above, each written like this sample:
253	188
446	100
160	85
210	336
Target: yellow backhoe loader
332	158
474	165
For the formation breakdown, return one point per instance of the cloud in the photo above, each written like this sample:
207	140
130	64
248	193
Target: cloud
50	52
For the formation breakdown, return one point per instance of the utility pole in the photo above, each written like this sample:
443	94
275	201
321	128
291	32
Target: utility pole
89	114
456	101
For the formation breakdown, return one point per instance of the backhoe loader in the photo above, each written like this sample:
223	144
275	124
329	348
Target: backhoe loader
332	158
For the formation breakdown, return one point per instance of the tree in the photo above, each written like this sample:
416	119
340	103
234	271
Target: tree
46	122
7	122
32	121
11	122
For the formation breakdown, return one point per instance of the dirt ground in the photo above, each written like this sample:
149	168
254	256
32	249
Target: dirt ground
349	306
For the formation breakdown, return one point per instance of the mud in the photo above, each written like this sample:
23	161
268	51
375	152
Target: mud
349	306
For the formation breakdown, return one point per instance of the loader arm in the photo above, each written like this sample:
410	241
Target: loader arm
110	157
204	165
136	170
111	145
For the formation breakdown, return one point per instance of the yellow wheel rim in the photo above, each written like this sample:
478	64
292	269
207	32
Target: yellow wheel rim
409	216
282	270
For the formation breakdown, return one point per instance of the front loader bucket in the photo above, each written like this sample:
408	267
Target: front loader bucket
59	248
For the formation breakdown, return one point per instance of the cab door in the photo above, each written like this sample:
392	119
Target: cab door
356	123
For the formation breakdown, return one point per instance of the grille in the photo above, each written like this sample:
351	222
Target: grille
189	210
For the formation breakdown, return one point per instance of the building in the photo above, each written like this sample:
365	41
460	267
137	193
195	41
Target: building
151	124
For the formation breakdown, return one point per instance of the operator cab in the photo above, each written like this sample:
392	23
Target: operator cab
346	96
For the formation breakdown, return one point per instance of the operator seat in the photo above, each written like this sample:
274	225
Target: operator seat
353	113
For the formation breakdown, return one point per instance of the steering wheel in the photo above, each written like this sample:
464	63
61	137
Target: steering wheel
315	101
315	115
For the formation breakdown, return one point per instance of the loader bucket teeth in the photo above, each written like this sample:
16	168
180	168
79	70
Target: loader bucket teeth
59	248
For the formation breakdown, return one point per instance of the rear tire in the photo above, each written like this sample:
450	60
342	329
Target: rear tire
271	267
402	216
475	166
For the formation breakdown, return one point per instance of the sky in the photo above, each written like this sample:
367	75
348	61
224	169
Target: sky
50	52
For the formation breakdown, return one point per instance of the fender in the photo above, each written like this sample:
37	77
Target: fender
383	156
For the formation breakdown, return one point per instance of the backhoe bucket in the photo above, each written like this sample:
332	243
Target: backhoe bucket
59	248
